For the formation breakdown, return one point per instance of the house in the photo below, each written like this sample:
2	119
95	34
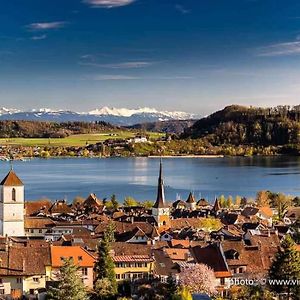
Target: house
55	233
139	138
213	256
292	215
203	204
59	208
179	204
178	254
37	208
23	268
262	214
164	266
82	258
37	226
132	261
124	231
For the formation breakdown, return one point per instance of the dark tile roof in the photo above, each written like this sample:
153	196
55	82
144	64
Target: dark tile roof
191	198
212	256
164	265
249	211
30	260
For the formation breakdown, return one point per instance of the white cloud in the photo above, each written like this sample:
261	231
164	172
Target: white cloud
288	48
123	65
127	77
46	25
39	37
108	3
181	9
115	77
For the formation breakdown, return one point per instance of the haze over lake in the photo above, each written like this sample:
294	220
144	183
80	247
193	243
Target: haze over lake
137	177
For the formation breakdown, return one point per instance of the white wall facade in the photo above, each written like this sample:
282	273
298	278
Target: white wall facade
12	211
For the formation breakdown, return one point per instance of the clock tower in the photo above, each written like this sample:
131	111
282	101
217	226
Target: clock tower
160	210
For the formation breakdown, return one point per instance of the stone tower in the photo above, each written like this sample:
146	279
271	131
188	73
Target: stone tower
11	205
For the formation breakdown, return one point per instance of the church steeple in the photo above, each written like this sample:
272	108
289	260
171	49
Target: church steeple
160	210
160	199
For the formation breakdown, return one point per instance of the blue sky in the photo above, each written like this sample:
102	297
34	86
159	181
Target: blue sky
191	55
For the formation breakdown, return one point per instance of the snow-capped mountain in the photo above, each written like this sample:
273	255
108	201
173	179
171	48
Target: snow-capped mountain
116	116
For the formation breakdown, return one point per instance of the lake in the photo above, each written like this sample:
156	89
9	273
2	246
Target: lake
137	177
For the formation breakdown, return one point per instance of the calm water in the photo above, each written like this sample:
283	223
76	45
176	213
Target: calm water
137	177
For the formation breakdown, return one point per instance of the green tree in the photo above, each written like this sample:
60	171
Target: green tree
286	266
238	200
222	201
129	201
229	202
171	287
114	202
104	268
104	289
70	286
183	294
262	198
148	204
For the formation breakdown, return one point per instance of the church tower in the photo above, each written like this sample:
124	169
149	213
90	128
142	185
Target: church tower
160	210
11	205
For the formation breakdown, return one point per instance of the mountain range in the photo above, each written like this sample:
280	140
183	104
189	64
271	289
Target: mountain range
115	116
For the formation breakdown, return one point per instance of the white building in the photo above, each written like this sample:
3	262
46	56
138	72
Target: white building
11	205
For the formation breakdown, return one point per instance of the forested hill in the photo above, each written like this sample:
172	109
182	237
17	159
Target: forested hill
170	126
34	129
239	125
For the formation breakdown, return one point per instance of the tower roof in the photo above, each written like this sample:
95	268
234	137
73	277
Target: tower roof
11	179
217	205
160	200
191	198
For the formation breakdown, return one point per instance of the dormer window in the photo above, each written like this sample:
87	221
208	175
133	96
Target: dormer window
13	194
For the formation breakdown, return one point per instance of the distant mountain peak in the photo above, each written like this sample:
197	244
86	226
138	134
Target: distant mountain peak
113	115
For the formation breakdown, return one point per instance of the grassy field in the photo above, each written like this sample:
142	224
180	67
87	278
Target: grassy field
73	140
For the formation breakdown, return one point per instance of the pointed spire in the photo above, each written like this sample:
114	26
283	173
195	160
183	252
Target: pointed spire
191	198
160	200
11	164
217	205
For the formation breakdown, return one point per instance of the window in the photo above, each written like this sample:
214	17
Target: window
2	291
13	194
19	280
118	276
84	271
222	281
240	270
36	279
40	230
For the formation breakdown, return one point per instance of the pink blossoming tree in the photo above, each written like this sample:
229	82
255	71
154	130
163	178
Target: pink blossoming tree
198	278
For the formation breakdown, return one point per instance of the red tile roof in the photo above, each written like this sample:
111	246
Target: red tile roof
11	179
132	258
80	256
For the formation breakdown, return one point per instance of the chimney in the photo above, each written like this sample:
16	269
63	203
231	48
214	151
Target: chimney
6	243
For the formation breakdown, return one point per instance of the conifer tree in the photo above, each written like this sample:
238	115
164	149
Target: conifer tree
286	266
104	266
70	286
114	202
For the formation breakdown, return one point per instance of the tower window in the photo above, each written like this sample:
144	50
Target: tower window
13	194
